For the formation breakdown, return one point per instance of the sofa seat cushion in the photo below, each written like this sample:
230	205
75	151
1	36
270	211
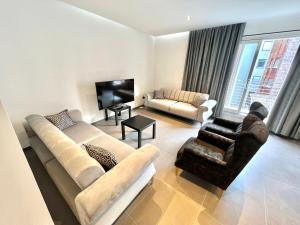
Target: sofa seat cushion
162	104
184	109
113	145
82	132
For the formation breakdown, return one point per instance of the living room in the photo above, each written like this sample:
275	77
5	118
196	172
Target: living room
184	68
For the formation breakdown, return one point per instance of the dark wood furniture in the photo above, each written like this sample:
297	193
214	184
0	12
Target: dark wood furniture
138	123
118	111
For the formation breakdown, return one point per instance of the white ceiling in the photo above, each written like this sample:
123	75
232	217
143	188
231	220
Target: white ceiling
158	17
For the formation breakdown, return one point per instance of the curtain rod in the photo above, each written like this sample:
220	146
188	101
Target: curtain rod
276	32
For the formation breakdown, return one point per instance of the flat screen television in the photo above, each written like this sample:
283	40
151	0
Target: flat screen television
114	93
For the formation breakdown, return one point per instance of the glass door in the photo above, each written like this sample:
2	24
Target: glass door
259	72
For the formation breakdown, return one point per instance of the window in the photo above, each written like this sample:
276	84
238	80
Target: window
267	46
261	63
277	63
259	72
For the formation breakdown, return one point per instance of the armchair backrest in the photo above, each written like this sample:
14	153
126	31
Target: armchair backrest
259	110
253	135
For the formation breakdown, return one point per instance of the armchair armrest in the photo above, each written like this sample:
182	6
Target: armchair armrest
226	123
215	139
92	202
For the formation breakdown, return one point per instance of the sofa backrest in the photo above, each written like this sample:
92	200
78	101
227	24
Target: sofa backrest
82	168
183	96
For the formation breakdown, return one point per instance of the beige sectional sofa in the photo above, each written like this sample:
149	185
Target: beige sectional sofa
179	103
95	196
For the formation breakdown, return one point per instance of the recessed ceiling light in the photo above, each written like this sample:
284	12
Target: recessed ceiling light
188	18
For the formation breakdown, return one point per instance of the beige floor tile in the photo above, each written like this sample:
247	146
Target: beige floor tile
205	219
282	201
124	219
164	205
235	207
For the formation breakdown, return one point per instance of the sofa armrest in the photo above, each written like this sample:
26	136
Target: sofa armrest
215	139
207	105
92	202
75	115
148	97
226	123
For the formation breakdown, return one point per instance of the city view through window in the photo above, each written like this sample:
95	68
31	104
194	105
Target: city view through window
259	73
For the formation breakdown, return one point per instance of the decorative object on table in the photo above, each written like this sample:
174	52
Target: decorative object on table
139	123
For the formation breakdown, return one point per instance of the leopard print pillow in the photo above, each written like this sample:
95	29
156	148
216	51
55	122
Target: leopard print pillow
61	120
106	159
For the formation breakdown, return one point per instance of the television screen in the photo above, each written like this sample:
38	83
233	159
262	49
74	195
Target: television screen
112	93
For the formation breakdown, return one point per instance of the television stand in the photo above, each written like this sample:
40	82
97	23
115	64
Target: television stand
117	109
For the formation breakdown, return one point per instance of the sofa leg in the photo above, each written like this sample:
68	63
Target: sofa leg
150	181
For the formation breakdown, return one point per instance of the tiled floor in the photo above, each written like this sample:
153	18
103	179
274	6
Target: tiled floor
267	192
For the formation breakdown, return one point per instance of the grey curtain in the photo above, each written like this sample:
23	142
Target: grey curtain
209	61
285	116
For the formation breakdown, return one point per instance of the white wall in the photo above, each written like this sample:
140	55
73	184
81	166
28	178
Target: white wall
170	50
51	54
170	54
21	200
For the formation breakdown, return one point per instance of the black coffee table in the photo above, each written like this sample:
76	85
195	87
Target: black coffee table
138	123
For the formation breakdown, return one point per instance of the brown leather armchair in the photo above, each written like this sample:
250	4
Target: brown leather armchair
218	159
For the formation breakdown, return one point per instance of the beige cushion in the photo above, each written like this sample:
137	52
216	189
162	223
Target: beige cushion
183	96
82	132
75	115
83	169
162	104
113	145
199	99
61	120
184	109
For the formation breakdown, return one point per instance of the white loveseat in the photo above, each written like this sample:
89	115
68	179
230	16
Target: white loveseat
179	103
95	196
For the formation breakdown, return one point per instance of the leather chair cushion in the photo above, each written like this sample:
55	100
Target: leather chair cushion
202	149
